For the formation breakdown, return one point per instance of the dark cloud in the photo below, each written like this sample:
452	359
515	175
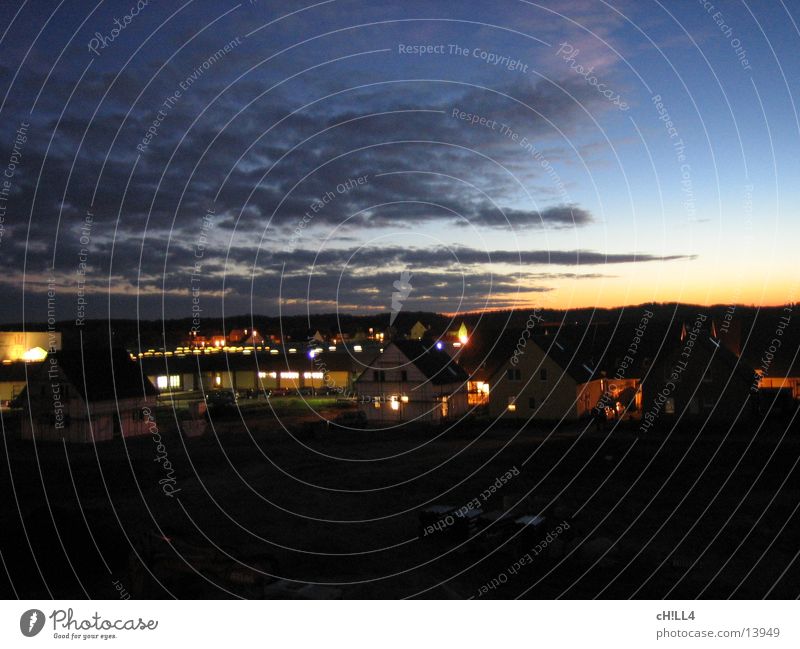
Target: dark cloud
264	137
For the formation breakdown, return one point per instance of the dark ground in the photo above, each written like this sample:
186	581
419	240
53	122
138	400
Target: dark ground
710	514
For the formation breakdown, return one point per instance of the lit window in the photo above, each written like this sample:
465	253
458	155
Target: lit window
290	375
262	375
218	380
512	405
174	381
356	348
161	382
312	375
404	398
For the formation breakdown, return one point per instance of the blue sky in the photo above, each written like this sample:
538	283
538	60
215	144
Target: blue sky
601	209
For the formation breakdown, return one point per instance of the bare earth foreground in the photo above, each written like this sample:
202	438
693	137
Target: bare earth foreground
688	514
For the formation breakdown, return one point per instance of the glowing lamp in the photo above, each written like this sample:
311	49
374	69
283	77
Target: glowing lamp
34	354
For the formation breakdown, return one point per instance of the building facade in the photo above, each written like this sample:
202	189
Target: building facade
92	399
412	382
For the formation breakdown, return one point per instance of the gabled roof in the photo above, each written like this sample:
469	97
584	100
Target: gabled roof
486	352
108	374
785	362
436	365
583	353
737	367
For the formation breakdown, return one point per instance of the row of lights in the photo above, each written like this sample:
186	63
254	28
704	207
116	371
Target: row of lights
183	351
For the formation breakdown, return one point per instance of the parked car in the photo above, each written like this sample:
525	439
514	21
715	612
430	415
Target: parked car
217	398
280	392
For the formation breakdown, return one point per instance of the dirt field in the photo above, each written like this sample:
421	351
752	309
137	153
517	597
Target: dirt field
686	515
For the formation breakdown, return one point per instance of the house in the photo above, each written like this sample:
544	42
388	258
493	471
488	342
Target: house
417	331
411	381
100	396
245	338
460	335
195	340
565	376
696	376
28	345
13	378
550	380
772	349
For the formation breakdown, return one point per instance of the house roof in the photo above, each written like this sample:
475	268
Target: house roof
108	375
437	365
780	363
584	353
486	352
737	367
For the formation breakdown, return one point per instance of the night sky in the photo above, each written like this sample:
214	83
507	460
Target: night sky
284	157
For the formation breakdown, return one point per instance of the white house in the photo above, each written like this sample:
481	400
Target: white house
410	381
